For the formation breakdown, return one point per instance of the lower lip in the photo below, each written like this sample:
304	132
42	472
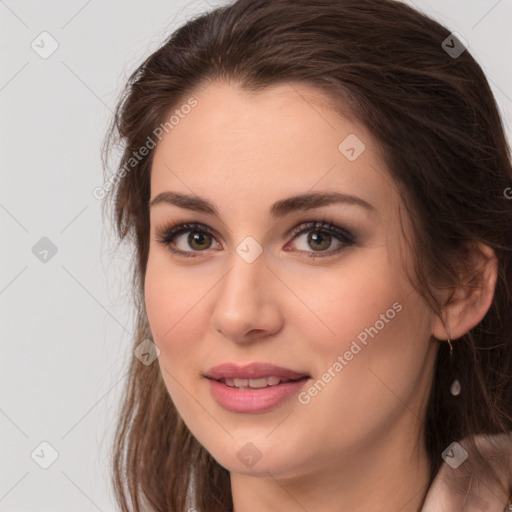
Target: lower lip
257	400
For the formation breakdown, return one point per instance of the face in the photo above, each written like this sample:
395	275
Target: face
256	281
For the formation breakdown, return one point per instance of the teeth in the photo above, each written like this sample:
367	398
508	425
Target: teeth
263	382
241	382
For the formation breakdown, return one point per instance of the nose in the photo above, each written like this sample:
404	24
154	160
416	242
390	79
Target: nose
247	303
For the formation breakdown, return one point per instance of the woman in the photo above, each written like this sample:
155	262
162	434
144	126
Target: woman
316	194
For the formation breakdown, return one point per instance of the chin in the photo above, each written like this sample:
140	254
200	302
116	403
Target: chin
252	459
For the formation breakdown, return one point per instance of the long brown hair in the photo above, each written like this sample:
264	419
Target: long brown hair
437	123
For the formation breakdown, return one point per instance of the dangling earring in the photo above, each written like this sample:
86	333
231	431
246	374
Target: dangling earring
455	387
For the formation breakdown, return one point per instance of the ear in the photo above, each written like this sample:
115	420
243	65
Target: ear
466	304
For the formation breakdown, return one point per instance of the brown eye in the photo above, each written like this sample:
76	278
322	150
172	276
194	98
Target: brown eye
199	239
320	237
319	241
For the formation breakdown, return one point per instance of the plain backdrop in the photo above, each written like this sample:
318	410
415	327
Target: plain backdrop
66	317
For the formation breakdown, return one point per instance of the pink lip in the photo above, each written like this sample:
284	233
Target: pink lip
257	400
252	371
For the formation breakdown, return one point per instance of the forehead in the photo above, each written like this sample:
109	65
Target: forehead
241	147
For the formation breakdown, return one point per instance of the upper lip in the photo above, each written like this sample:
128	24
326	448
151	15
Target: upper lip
252	371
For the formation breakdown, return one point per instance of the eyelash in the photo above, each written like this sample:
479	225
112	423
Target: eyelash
170	231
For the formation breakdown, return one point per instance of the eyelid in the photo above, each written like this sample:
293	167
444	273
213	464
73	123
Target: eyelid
323	225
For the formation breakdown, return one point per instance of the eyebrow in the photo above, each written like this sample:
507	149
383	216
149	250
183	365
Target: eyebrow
278	209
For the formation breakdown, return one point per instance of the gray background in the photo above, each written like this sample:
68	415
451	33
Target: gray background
66	322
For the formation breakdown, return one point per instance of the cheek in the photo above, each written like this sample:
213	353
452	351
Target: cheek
339	303
173	308
374	320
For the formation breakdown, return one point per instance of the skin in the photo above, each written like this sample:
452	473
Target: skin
358	444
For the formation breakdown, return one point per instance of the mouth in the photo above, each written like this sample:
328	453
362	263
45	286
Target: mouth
253	388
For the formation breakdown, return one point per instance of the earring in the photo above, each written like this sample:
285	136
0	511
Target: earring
455	388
